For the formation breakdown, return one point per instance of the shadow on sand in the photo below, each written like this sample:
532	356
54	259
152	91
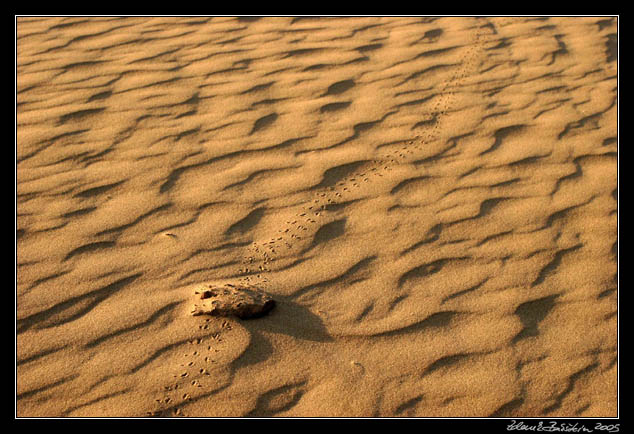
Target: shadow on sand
287	318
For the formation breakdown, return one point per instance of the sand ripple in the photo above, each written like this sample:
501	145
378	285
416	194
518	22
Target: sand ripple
431	201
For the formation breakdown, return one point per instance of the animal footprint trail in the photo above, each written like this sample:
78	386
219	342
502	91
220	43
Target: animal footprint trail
436	116
298	231
263	256
294	236
194	374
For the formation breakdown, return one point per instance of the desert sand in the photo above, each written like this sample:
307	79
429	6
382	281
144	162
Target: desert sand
431	202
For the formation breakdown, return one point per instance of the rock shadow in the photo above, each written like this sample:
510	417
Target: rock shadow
287	318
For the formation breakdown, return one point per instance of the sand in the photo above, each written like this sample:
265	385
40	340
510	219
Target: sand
431	202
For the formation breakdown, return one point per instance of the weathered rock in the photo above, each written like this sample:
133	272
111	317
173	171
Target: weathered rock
241	301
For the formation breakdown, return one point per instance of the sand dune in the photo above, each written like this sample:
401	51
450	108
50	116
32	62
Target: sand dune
432	202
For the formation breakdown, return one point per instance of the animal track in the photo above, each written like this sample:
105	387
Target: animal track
303	227
193	375
260	259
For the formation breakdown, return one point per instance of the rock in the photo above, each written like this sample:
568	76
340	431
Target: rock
226	299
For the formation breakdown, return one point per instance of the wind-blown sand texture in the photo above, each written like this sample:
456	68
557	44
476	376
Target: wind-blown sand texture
431	202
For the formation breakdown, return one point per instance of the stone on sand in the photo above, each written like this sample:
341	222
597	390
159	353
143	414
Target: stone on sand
242	301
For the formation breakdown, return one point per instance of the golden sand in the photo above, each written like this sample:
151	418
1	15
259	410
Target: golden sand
432	203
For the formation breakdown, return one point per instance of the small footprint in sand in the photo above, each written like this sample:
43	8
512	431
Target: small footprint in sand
357	366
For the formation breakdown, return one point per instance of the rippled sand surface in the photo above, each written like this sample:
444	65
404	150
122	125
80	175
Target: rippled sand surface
432	202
